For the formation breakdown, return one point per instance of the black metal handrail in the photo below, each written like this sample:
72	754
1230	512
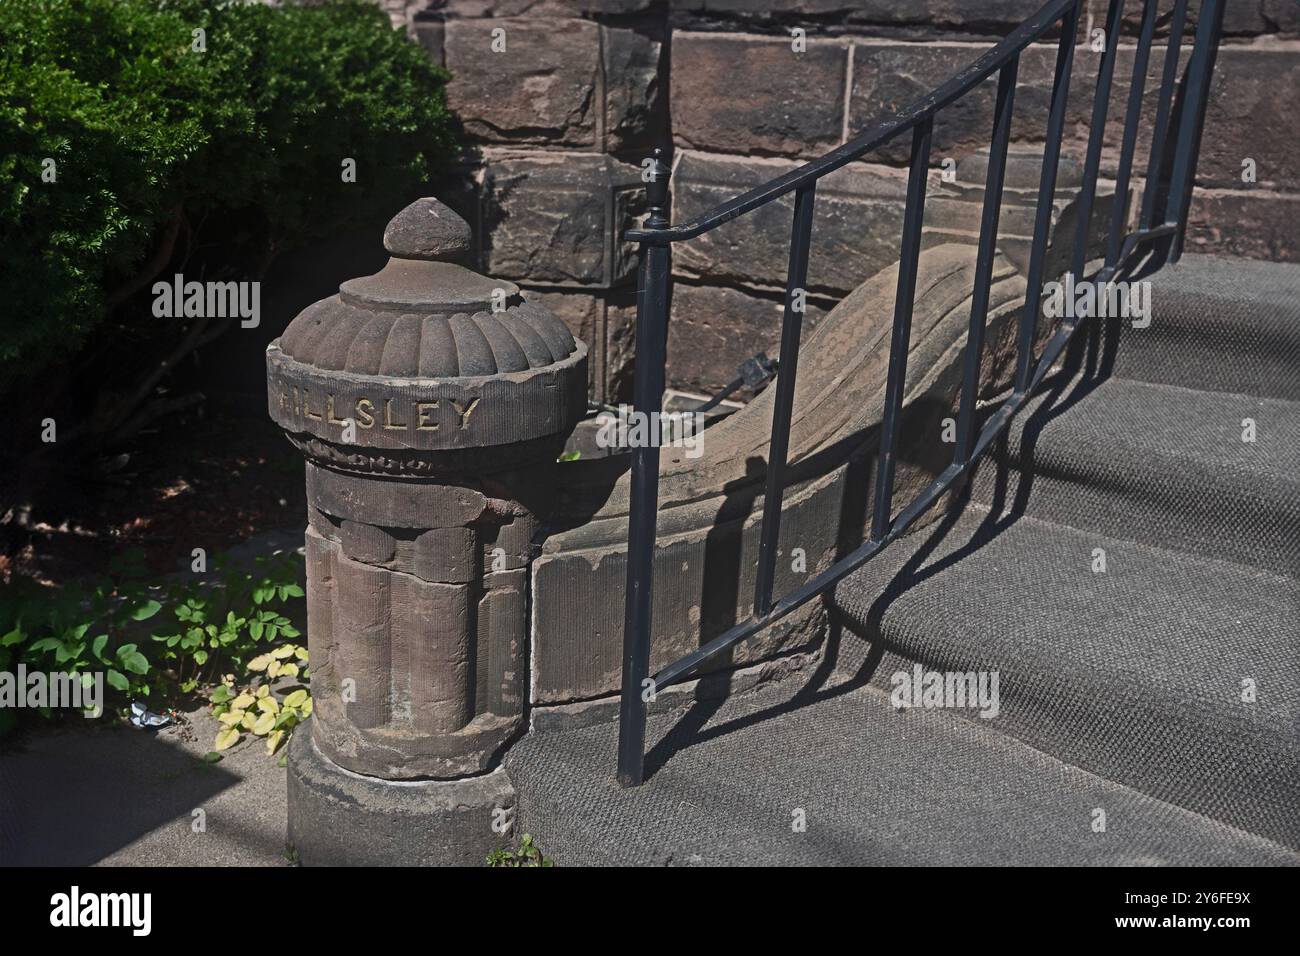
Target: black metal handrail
1163	218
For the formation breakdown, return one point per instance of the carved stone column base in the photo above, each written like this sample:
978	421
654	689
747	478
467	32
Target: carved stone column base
341	818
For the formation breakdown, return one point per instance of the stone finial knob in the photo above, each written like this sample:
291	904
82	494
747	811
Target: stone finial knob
428	229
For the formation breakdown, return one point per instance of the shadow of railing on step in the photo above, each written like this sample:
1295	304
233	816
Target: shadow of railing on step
1158	237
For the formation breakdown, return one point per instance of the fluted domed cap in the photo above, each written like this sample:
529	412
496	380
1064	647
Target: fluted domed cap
424	315
421	338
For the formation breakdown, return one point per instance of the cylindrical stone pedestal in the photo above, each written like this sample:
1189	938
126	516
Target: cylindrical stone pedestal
431	404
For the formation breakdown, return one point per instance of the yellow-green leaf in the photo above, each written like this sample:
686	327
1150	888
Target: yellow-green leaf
249	720
268	705
231	717
227	737
264	724
283	651
296	698
273	741
259	662
242	702
300	652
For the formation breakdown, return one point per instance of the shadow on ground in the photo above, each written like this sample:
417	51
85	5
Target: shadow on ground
120	796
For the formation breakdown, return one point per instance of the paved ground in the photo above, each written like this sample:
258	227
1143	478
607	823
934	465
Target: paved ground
93	793
119	796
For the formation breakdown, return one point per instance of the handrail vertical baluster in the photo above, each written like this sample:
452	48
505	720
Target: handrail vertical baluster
648	387
979	308
1200	72
1164	106
1046	198
791	327
1168	191
1123	175
900	338
1096	138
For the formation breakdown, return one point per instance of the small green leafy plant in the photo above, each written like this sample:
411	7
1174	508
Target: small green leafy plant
105	627
258	710
222	629
528	854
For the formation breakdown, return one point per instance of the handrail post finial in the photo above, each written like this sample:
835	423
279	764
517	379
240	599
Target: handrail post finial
656	173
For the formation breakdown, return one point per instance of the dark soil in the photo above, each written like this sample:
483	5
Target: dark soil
208	479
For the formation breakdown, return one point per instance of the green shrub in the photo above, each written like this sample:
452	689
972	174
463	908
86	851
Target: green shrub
153	141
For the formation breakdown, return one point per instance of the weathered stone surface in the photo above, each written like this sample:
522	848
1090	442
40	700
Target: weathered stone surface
1021	172
1255	17
745	94
857	223
541	89
447	554
702	585
426	229
1282	15
583	313
712	329
559	218
635	84
393	671
620	345
461	190
338	818
396	573
393	503
365	542
1252	223
407	415
957	214
969	16
549	8
502	635
1244	105
889	76
511	545
607	320
704	564
758	10
1251	115
565	82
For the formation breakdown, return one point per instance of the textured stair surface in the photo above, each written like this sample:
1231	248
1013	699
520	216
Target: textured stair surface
1227	325
1134	673
1163	465
1162	688
876	786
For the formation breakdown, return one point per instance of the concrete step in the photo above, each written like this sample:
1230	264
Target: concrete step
872	784
1159	464
1135	673
1224	325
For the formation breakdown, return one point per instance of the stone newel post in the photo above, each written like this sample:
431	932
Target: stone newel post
431	404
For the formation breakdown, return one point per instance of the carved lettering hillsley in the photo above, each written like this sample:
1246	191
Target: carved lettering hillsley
366	412
431	404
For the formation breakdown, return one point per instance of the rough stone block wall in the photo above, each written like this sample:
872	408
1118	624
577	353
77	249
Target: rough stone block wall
559	120
558	101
